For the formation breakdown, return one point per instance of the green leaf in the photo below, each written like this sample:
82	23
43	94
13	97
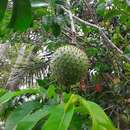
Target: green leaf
101	9
42	83
127	50
77	122
19	113
2	91
3	5
102	67
56	30
31	120
6	97
51	91
9	95
59	118
86	29
22	15
99	118
92	51
5	109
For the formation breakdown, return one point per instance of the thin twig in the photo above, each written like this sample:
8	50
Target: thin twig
108	107
80	20
73	30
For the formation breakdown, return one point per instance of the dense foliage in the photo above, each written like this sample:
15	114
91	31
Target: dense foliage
48	111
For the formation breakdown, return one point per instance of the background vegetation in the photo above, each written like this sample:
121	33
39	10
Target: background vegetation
30	31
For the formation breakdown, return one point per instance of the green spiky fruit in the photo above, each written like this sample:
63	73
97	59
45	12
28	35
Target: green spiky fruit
69	65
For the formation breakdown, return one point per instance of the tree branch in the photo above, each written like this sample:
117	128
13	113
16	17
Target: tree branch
101	30
3	50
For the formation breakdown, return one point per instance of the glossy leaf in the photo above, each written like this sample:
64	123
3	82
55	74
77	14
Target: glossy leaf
59	118
22	15
100	120
31	120
6	97
3	5
19	113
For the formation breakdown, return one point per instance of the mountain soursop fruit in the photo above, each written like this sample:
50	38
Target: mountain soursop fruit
69	65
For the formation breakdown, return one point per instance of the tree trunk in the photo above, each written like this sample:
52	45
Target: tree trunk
16	73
